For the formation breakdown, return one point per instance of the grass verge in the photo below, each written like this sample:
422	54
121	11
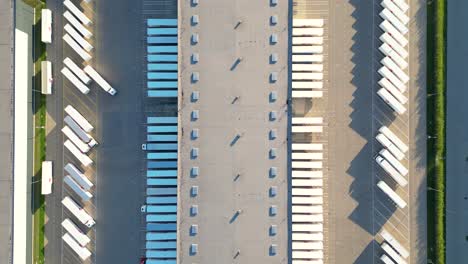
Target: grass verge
436	113
39	110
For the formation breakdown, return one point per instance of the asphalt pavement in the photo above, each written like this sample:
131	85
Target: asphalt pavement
457	133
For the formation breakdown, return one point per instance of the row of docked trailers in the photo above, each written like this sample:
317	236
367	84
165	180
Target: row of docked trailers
307	58
393	90
307	195
162	57
161	193
394	65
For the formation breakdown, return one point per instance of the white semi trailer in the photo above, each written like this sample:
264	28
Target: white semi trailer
84	195
83	158
390	5
318	22
79	119
390	146
75	232
390	29
385	83
307	94
394	243
307	67
394	161
75	139
78	176
77	70
75	81
395	140
392	194
391	171
396	22
46	26
88	139
75	23
78	38
307	85
393	254
390	52
307	76
307	58
391	101
307	32
76	47
47	178
82	252
78	212
386	73
77	12
307	40
307	49
97	78
395	69
46	77
389	40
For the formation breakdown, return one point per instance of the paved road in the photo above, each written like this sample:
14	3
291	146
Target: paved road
457	133
6	129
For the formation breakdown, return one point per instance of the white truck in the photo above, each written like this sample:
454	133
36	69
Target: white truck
395	140
390	146
78	38
307	40
77	12
393	254
75	139
78	212
46	26
394	161
391	171
79	177
83	158
82	29
77	70
97	78
84	195
82	252
307	58
75	232
79	119
88	139
47	178
77	48
75	81
391	101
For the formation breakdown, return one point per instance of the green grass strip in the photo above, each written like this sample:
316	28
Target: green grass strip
39	108
436	89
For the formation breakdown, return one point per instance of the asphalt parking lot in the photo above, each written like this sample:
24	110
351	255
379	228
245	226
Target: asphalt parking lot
357	209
